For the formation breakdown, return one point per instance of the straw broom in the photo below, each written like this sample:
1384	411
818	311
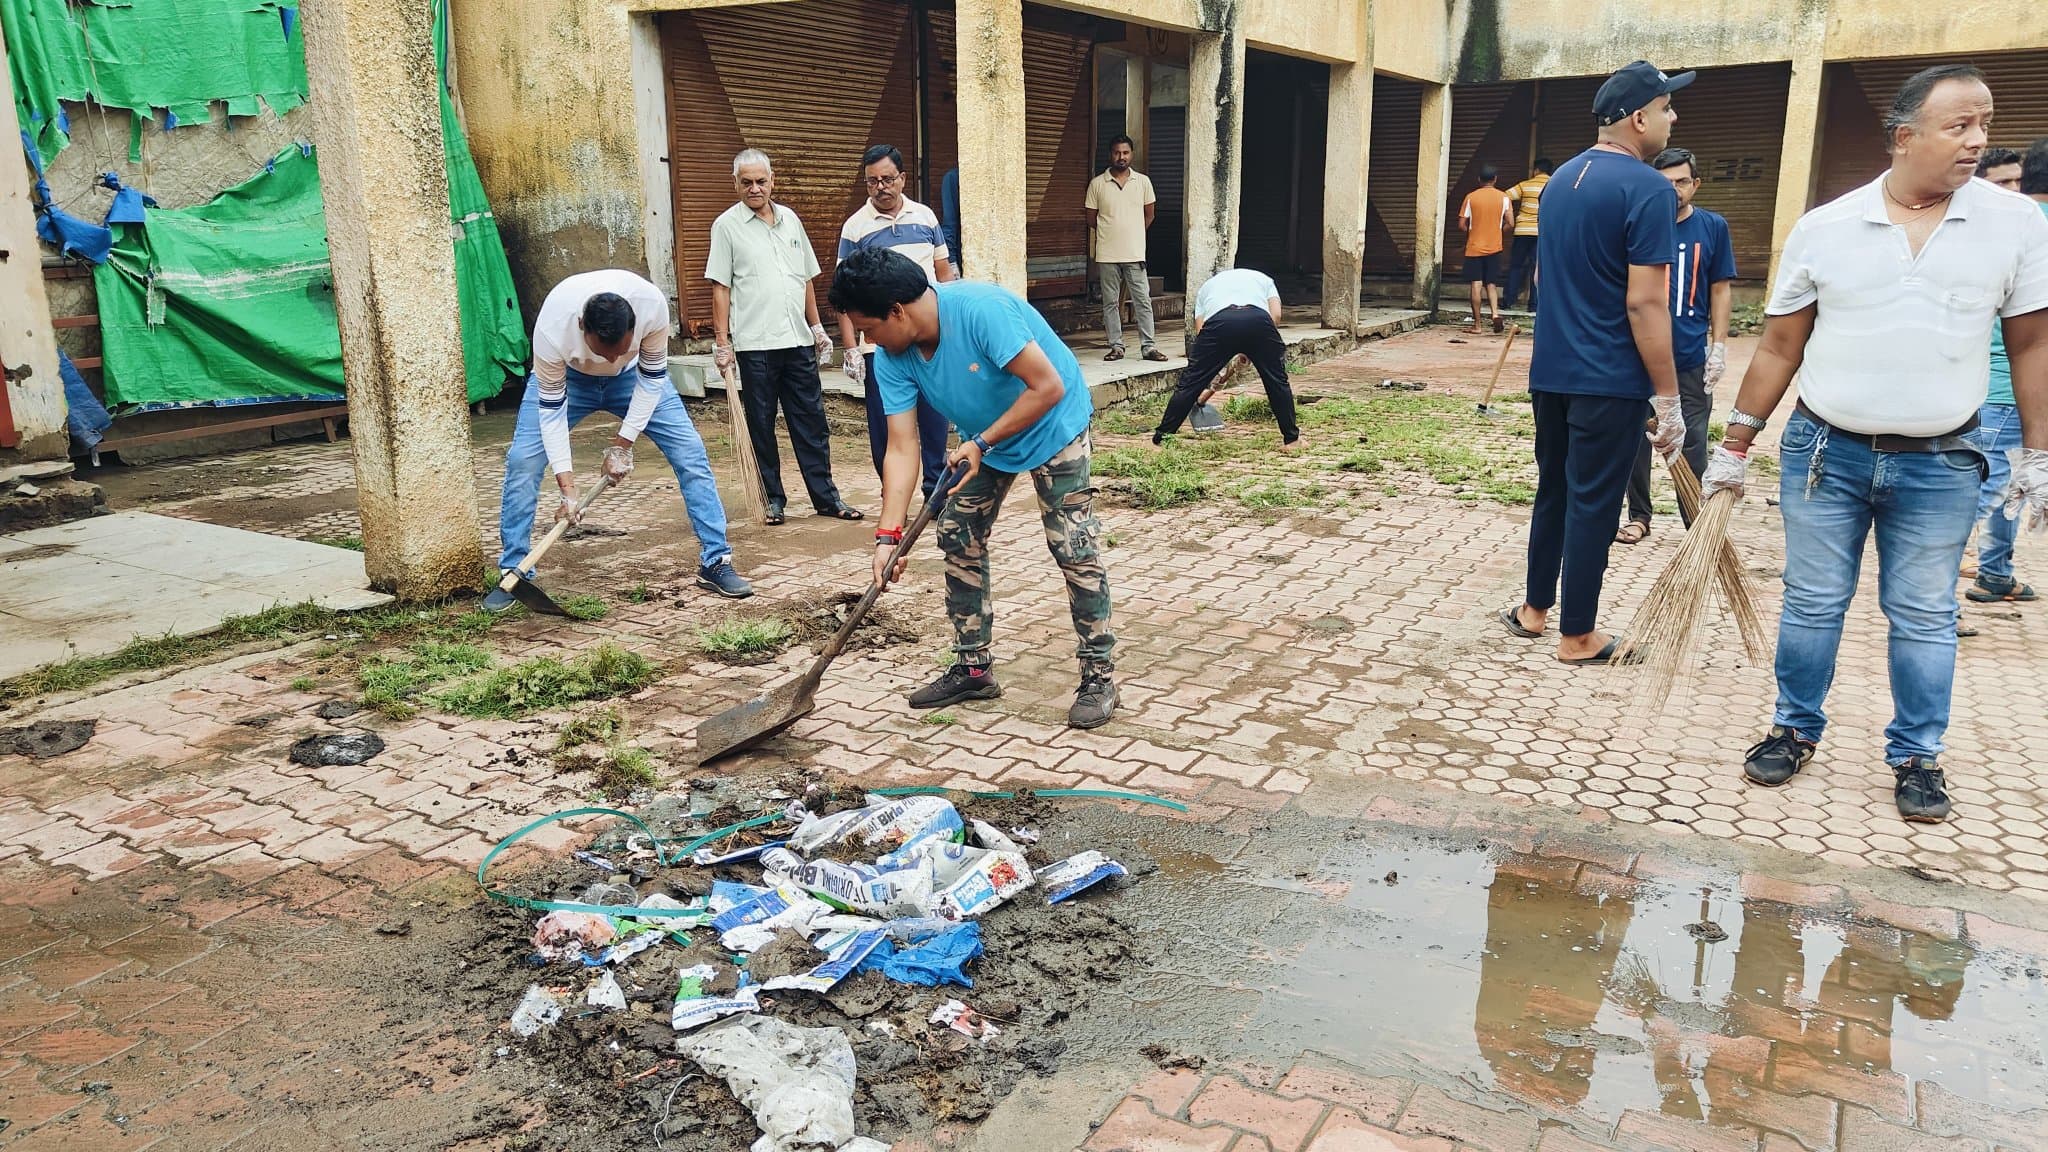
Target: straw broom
743	447
1663	636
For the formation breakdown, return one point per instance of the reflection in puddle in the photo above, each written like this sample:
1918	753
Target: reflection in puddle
1583	992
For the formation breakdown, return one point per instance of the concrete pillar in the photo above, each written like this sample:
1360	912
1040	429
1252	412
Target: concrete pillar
1137	113
377	124
28	345
990	99
1799	155
1347	157
1432	180
650	124
1215	134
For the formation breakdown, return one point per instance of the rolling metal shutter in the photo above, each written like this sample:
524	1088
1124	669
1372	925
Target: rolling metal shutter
1733	120
1489	125
1059	114
1166	142
1852	141
737	79
1390	177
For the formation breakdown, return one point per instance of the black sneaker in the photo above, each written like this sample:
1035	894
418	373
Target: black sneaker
961	682
1920	794
1093	703
1777	759
725	580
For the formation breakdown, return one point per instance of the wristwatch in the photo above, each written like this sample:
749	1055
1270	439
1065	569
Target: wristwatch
1758	423
979	442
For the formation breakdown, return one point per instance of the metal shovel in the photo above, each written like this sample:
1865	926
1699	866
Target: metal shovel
1486	407
745	725
519	581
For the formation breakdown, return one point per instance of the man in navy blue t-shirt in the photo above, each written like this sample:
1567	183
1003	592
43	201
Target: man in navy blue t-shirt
1702	301
1603	347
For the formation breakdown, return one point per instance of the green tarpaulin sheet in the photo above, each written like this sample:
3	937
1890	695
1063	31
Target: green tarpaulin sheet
231	301
141	55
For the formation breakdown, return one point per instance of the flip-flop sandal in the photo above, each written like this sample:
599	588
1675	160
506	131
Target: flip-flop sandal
1633	532
2017	594
1964	631
1607	655
775	514
1508	616
843	513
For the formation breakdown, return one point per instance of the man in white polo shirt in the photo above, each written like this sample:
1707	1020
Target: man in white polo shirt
1237	313
1882	315
889	219
601	344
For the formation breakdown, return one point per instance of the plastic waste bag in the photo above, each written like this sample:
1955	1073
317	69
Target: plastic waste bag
798	1082
940	960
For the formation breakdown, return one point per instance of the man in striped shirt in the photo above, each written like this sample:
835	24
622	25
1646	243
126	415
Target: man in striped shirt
1702	303
891	220
601	343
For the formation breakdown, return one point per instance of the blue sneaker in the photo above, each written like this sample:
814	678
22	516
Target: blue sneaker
499	600
725	580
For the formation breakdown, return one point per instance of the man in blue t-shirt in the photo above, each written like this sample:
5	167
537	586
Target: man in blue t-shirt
992	366
1702	301
1603	347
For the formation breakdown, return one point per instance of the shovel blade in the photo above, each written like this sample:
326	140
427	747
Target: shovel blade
745	725
536	599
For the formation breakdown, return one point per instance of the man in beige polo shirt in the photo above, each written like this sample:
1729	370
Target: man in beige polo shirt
1120	208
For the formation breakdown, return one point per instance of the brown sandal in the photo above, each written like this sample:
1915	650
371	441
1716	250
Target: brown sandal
1633	532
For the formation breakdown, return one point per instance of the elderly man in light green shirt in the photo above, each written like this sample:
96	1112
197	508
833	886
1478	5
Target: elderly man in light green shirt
764	316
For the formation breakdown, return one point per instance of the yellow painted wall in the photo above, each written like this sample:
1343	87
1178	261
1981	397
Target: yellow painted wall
1411	39
1858	30
1573	38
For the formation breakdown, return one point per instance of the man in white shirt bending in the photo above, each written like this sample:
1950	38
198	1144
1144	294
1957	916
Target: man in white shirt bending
1237	313
1882	314
601	344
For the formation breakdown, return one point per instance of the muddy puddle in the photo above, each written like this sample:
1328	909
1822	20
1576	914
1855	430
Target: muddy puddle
1561	986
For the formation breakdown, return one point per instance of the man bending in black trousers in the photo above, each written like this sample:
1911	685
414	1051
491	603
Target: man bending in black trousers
1237	313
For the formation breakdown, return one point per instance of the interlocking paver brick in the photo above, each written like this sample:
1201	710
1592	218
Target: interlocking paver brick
1375	1099
1431	1113
1285	1123
1347	1131
1135	1128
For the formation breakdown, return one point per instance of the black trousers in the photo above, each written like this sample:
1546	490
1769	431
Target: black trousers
1244	330
1521	271
1585	446
1695	405
787	378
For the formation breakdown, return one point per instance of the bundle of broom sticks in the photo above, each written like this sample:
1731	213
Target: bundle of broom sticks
743	447
1663	637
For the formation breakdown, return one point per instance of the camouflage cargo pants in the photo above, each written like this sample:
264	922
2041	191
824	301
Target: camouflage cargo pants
1066	505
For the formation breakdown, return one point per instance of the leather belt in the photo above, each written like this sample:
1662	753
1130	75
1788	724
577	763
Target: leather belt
1890	441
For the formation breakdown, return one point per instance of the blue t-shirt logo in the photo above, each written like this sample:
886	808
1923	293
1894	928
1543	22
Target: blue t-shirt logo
1602	212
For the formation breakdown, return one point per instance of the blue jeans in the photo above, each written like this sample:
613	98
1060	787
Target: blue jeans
1998	432
1834	490
670	430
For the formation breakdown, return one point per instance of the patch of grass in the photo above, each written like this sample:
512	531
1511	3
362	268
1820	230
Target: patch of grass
1247	408
544	683
736	639
1747	320
1157	477
639	594
1764	465
1715	431
352	543
598	726
625	771
393	684
938	718
1360	461
1132	417
303	684
1510	398
583	606
1278	494
285	623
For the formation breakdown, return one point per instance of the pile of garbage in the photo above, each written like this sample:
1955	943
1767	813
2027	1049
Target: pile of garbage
893	889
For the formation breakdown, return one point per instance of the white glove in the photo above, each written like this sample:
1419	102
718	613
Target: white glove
618	462
566	510
1717	365
855	366
1725	471
1668	438
721	355
823	343
2027	495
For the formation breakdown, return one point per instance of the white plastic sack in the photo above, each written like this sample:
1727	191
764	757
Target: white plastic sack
798	1082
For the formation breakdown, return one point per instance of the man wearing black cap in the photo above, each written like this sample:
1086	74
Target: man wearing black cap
1603	347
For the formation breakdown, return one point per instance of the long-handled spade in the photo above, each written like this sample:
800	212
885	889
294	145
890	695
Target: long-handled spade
519	581
1486	407
745	725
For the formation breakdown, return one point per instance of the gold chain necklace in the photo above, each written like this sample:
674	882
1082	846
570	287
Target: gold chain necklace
1885	184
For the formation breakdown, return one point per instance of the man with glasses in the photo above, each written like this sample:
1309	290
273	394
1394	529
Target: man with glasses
764	317
1702	302
889	219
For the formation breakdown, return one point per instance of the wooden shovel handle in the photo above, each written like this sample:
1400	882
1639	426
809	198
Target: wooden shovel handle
533	558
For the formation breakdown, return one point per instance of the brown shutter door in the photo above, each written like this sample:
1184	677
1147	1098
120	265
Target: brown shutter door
1390	177
1058	108
1733	120
1489	125
1564	119
1860	93
737	79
